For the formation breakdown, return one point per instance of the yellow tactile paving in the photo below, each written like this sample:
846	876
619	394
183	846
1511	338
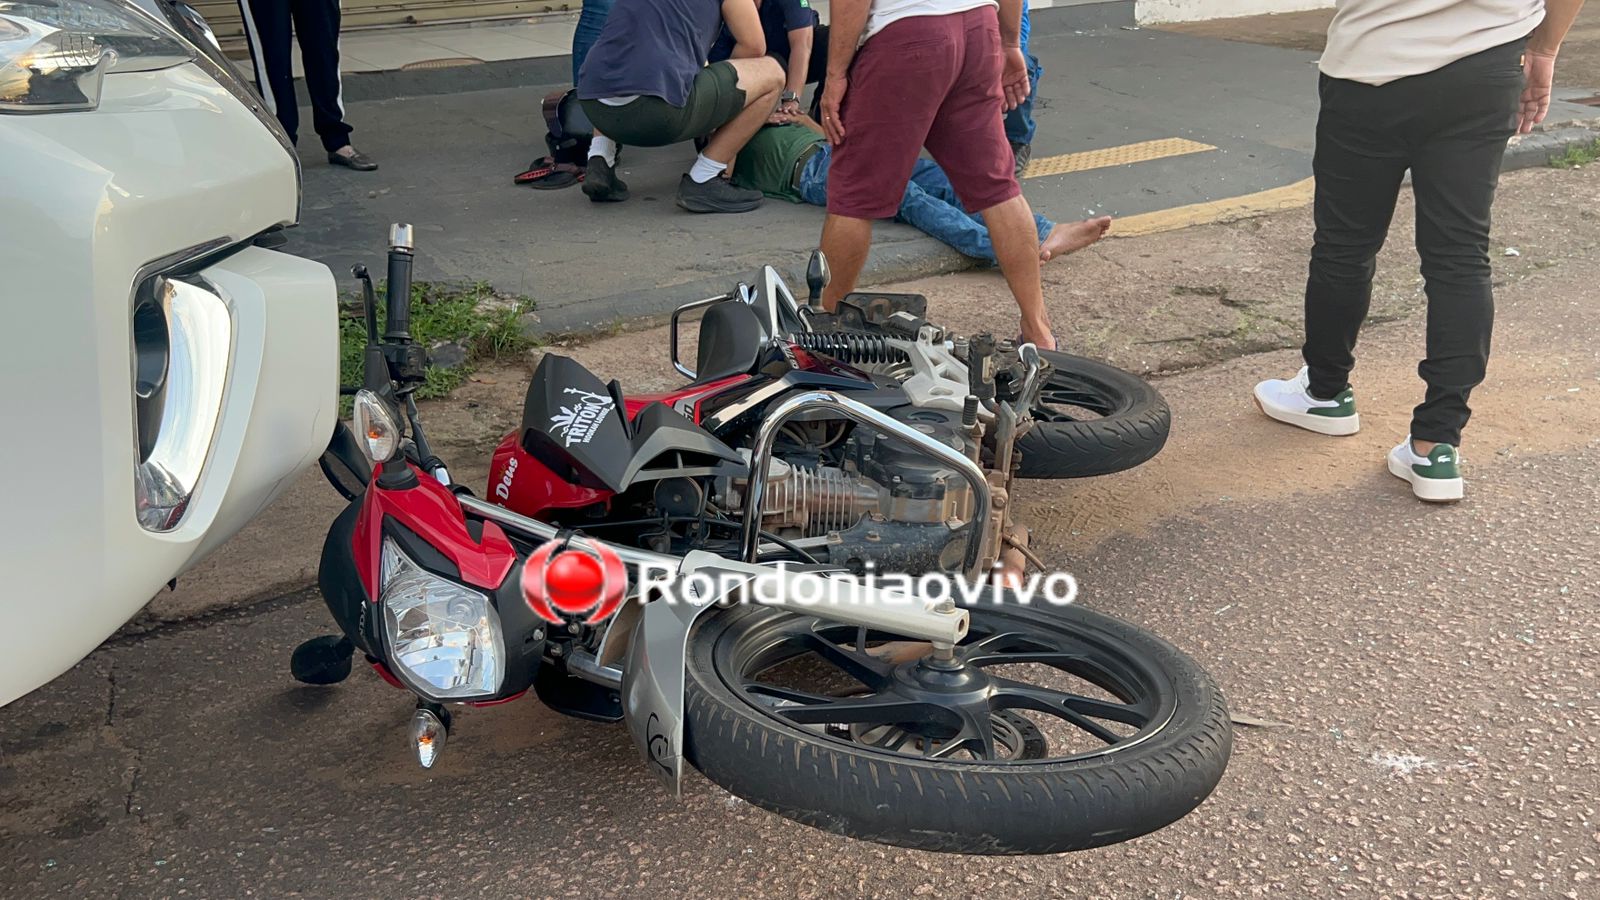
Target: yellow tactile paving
1290	196
1107	157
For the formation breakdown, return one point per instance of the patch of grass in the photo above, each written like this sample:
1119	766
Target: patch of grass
1577	155
483	322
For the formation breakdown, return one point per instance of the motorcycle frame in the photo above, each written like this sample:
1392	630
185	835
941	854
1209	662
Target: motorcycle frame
651	680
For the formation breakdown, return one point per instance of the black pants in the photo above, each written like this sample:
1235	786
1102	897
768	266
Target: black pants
1449	127
269	26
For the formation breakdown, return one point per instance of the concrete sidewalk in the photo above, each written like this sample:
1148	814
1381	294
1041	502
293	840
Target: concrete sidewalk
1109	91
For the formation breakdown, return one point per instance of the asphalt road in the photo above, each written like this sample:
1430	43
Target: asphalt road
1433	672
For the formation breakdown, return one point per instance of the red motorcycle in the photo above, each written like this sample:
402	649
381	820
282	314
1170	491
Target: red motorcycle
730	531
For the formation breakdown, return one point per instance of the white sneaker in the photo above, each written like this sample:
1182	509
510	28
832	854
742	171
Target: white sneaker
1435	477
1290	401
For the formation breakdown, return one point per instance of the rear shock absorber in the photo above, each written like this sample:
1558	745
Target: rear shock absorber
854	347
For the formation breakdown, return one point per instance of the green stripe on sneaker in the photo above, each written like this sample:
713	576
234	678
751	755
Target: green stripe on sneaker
1346	407
1443	463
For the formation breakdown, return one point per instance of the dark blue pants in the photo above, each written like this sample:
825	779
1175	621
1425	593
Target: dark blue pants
269	26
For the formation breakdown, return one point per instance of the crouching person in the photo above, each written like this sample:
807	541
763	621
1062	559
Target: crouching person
644	84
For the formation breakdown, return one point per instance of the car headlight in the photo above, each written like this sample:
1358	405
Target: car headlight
54	53
444	638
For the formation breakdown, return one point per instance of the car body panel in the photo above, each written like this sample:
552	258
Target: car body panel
170	164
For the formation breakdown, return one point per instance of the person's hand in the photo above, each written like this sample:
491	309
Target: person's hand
832	99
1540	71
1014	78
785	113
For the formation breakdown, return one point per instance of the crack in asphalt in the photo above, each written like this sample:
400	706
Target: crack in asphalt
111	692
244	612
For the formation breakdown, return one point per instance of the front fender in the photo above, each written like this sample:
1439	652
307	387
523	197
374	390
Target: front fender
652	679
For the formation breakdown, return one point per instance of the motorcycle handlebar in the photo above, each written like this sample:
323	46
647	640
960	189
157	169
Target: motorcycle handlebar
397	324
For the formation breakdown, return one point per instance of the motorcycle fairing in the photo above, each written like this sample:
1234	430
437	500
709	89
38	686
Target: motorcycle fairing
666	440
571	424
432	512
685	400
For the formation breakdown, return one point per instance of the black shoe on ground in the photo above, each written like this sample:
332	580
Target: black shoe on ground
1023	153
356	160
601	184
716	196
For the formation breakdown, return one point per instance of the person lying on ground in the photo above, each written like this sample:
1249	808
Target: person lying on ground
791	162
643	84
794	39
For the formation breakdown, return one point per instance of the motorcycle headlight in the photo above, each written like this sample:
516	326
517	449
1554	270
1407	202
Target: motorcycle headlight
54	53
444	638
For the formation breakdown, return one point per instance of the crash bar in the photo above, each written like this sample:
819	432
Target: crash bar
844	407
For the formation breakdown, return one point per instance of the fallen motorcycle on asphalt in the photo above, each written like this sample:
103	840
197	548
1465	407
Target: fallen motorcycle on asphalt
807	450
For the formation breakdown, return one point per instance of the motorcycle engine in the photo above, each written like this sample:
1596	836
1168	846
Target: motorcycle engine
872	500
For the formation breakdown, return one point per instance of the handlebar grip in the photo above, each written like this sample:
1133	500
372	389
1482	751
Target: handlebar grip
397	322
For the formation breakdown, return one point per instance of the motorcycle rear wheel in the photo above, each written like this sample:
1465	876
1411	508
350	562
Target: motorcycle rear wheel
1092	419
895	752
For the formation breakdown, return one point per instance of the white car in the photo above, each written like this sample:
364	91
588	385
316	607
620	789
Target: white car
164	374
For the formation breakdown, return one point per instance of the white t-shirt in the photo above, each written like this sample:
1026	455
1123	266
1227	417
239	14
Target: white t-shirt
885	12
1379	41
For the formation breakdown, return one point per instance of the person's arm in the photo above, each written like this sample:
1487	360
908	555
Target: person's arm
1539	63
744	23
799	61
1014	74
846	20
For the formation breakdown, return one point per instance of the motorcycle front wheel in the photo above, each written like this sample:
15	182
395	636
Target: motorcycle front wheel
1051	729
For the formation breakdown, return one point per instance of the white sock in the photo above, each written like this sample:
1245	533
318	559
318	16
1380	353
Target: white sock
605	148
705	169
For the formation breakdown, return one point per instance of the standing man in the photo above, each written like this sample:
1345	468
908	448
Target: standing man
794	39
938	74
270	25
1437	87
645	84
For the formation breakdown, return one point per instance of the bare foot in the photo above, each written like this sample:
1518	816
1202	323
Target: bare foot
1071	237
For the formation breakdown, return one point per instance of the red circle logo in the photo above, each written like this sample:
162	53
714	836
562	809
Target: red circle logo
559	579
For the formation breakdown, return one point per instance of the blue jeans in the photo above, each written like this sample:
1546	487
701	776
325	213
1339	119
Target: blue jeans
930	206
1019	121
590	21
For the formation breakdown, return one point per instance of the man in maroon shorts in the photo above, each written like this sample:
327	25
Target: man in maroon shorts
928	73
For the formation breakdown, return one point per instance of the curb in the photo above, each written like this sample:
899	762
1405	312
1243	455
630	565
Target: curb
890	261
1531	151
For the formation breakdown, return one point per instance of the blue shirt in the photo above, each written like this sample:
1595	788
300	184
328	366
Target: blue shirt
778	18
653	48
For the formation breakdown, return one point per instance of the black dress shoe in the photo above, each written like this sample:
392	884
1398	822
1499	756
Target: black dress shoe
356	160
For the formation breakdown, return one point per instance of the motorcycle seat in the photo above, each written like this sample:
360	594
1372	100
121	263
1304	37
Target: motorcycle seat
731	338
